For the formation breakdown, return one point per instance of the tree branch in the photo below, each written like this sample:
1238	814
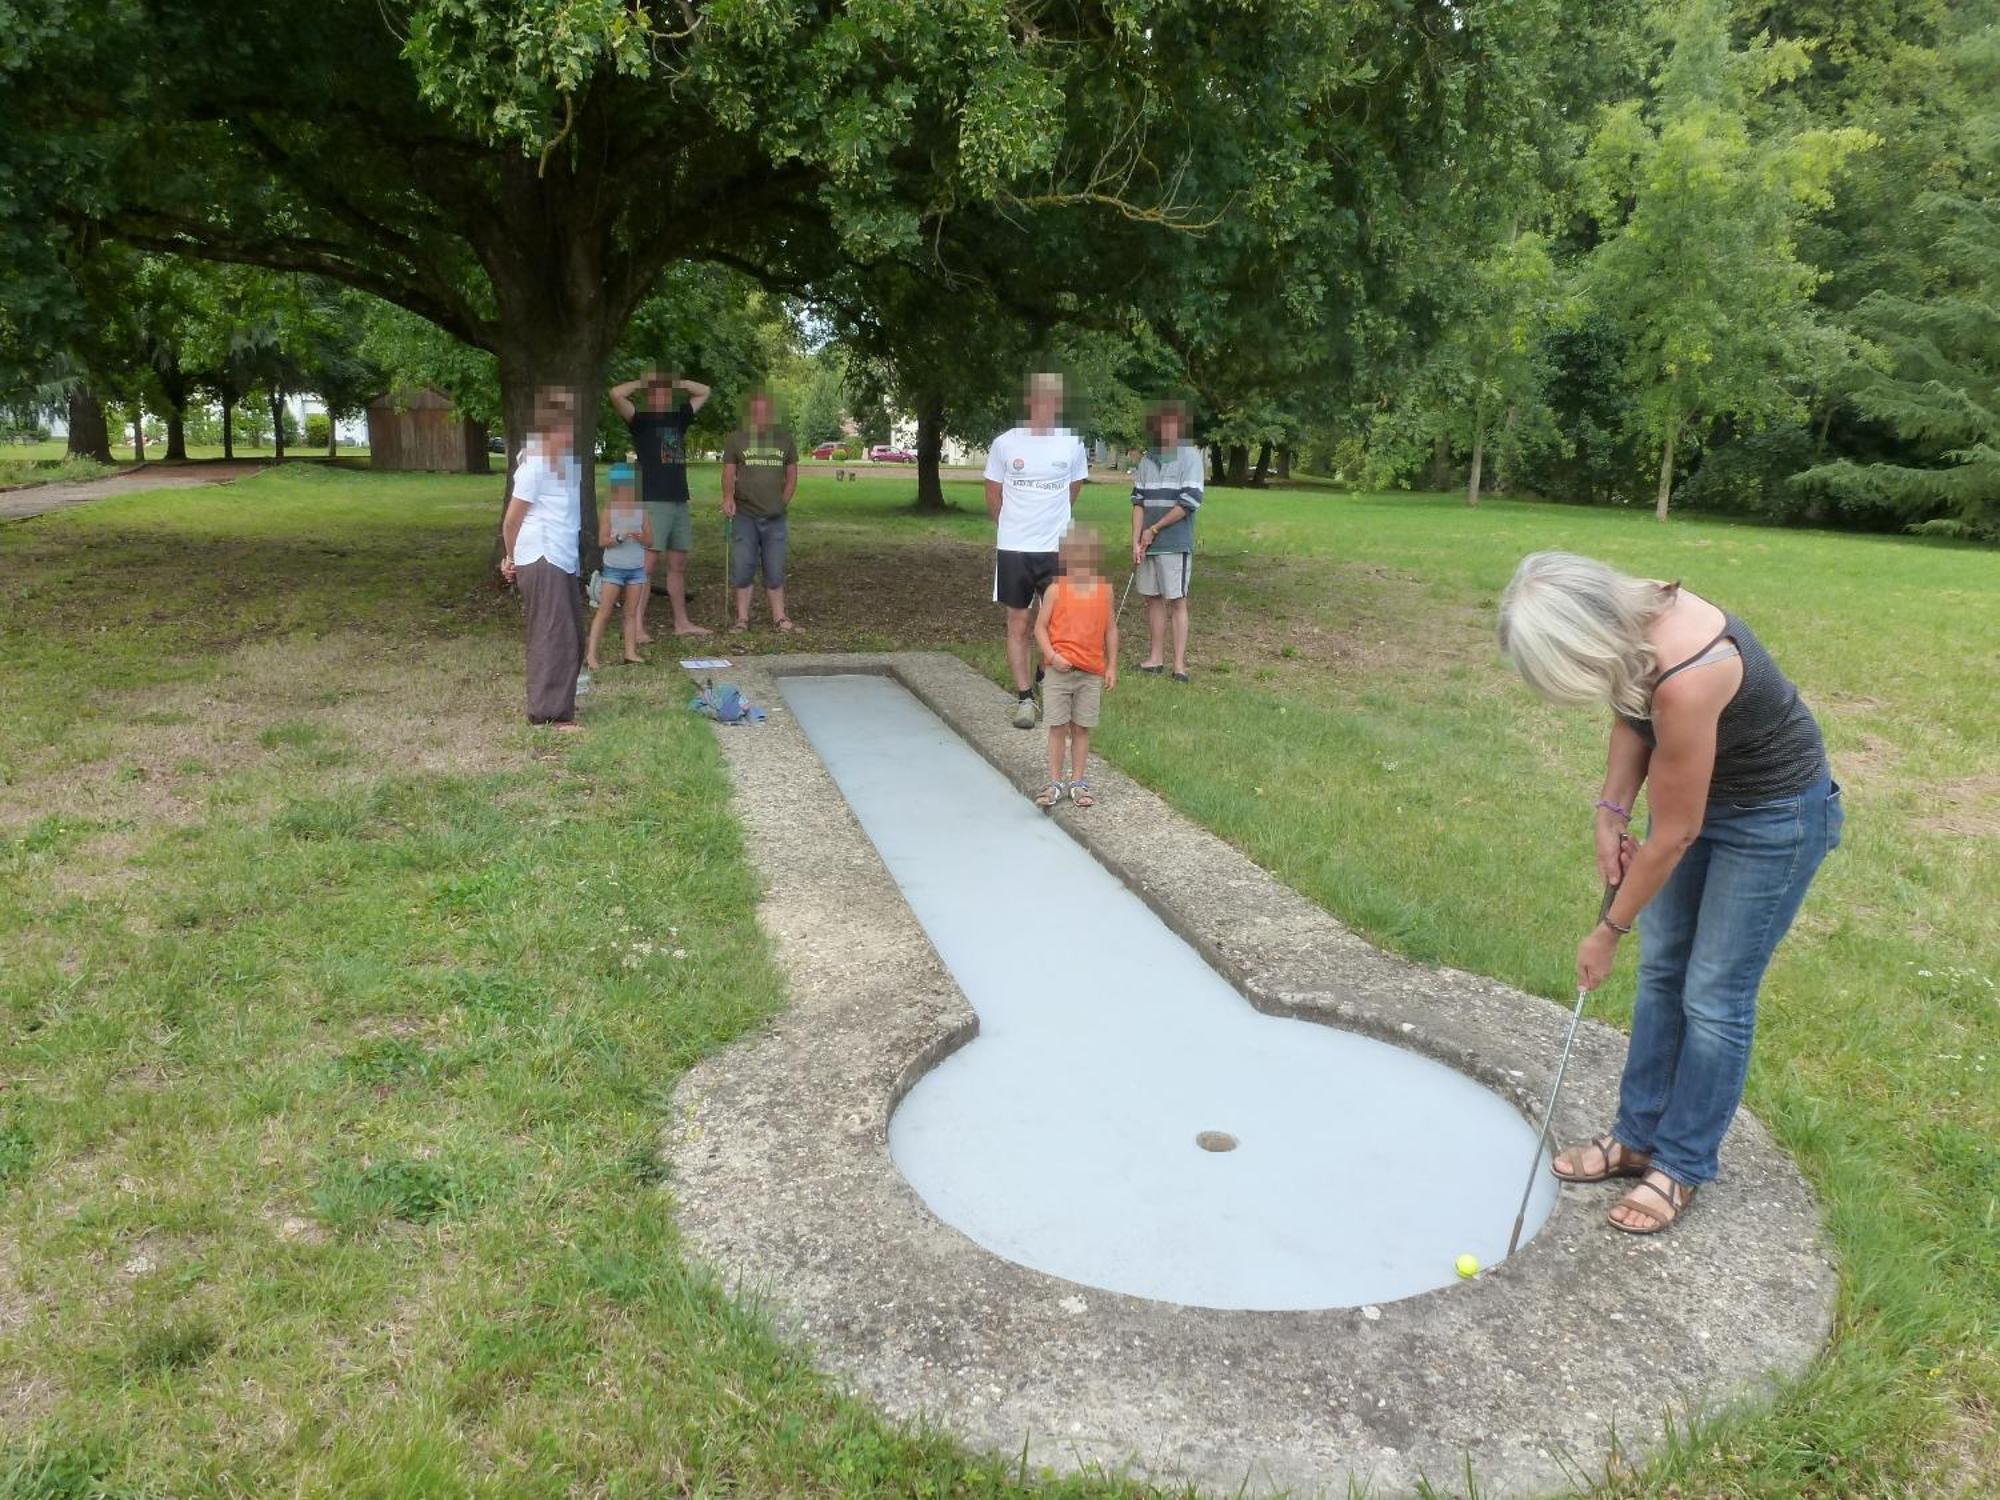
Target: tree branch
171	236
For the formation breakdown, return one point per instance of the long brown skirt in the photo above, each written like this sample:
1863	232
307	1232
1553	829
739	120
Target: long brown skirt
555	640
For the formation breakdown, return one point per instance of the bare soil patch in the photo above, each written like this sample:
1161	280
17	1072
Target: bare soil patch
1971	808
346	705
36	500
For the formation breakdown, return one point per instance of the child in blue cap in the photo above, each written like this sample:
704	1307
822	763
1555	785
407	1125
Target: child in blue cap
624	532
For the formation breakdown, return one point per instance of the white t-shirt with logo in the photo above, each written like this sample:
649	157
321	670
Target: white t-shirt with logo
553	488
1034	471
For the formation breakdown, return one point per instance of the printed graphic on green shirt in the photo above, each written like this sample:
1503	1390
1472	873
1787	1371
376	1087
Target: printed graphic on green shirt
760	460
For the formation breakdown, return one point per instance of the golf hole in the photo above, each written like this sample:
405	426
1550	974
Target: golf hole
1216	1140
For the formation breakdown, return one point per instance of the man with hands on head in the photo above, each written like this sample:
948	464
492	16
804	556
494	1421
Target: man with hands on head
659	420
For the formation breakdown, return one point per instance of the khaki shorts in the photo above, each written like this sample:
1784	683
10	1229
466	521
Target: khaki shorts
1071	697
1165	575
673	531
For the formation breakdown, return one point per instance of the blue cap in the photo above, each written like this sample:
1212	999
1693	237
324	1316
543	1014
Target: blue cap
624	474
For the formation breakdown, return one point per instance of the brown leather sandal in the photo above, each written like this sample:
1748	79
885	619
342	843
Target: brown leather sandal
1620	1160
1674	1199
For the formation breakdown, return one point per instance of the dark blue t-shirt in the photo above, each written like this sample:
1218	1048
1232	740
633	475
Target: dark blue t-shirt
659	440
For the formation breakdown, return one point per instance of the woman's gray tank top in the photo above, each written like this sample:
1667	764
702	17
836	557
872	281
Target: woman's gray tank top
1767	742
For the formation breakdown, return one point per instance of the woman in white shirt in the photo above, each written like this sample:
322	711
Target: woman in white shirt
540	553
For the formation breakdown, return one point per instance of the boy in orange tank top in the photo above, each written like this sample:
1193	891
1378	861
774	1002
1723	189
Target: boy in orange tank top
1077	630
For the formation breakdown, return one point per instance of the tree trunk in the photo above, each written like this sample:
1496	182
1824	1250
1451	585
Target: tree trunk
229	424
332	434
1666	475
534	354
174	386
1284	463
278	426
1239	464
930	454
1440	475
1500	451
88	436
138	434
1478	456
1218	466
1263	473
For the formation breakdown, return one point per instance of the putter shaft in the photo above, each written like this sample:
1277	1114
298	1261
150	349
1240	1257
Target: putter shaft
1555	1092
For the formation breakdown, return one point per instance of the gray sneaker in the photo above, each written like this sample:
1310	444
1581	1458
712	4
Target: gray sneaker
1024	713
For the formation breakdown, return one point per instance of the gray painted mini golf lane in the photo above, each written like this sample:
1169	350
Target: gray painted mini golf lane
1064	1137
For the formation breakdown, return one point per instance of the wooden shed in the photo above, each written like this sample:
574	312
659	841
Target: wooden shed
420	429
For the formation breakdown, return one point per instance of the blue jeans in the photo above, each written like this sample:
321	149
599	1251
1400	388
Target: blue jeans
1705	940
755	540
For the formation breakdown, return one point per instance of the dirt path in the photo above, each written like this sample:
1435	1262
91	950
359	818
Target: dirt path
18	505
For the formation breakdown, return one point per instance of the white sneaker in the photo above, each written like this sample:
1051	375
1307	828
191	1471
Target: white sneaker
582	683
1024	713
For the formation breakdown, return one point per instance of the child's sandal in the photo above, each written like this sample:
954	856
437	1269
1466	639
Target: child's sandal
1079	793
1049	795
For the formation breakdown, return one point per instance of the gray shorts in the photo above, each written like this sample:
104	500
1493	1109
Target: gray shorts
755	540
1165	575
1072	697
672	530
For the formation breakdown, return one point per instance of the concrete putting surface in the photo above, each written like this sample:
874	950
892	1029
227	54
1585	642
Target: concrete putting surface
784	1181
1076	1134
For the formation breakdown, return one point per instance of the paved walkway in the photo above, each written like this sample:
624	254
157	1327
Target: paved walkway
18	505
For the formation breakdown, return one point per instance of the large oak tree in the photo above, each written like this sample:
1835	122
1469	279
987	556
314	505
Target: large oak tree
521	173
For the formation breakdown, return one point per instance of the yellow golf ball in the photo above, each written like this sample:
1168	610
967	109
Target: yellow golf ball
1468	1266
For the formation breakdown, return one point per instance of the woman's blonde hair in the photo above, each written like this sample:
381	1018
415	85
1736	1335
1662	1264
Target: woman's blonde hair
1575	629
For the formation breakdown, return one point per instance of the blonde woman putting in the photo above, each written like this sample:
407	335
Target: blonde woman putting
1742	810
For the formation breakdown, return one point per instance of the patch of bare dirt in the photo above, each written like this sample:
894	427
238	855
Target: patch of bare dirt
1971	808
1869	761
1962	1462
33	500
855	595
1305	614
25	1397
345	704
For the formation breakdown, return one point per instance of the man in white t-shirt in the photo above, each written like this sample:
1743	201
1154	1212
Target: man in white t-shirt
1032	476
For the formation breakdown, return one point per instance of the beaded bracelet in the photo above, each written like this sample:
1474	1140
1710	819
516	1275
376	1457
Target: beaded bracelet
1614	809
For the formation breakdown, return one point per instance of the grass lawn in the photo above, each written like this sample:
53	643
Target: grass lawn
340	1008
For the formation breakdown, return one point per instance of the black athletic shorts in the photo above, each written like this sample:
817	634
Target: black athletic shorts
1019	576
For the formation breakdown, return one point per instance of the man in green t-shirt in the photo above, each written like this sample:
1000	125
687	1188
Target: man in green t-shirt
760	470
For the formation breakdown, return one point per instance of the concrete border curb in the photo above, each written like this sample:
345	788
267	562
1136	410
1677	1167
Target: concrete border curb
784	1184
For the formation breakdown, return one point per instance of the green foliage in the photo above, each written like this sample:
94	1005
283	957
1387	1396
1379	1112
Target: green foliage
1699	201
819	406
1749	473
355	1196
319	429
1935	377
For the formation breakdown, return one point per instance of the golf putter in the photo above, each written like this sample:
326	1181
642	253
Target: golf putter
728	573
1555	1090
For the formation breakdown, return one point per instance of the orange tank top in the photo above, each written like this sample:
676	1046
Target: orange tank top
1078	623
